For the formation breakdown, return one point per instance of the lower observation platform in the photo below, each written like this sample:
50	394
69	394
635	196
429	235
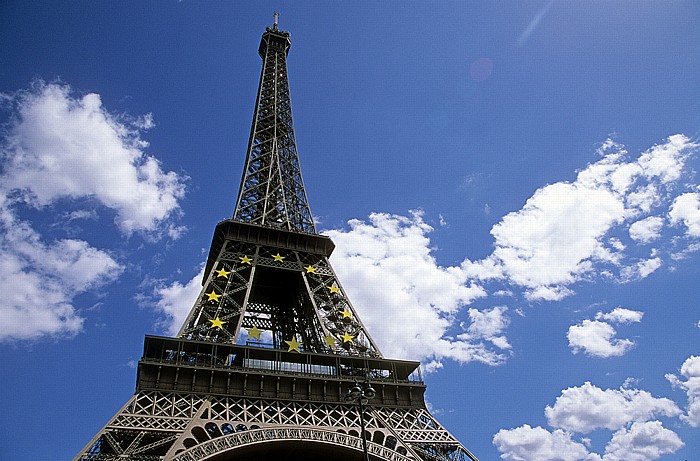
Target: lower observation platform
170	364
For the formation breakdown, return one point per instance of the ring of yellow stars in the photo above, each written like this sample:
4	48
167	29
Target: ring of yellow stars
213	296
278	257
346	314
245	259
293	344
254	333
222	273
333	289
347	338
217	323
329	340
310	269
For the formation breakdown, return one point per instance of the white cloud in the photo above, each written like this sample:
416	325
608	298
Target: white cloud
550	242
690	370
389	272
176	300
58	146
628	413
597	339
642	442
40	280
643	198
488	324
686	210
647	229
621	315
527	443
640	269
80	214
561	235
666	161
586	408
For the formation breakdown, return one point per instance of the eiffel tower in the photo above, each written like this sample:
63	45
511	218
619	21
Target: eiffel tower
263	364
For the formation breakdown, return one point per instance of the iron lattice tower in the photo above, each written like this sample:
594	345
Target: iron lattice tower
261	365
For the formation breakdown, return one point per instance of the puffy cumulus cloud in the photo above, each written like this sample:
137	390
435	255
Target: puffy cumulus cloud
627	413
422	298
597	337
488	324
642	442
55	148
175	301
620	315
527	443
586	408
61	146
686	210
640	269
690	370
665	161
562	234
647	229
551	241
39	280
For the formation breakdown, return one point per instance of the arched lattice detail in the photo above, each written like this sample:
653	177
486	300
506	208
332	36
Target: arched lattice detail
230	442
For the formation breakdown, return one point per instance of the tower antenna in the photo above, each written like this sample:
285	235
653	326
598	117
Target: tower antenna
277	18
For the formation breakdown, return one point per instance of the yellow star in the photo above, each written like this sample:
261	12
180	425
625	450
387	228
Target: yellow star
245	260
213	296
293	344
217	322
333	289
278	257
346	314
310	269
222	273
329	340
254	333
347	338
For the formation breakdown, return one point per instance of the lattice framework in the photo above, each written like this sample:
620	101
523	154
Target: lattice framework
272	191
317	307
188	426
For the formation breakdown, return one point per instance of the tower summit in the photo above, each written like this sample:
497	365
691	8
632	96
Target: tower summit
272	347
272	192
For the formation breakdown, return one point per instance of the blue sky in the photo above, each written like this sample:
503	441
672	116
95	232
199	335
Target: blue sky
512	188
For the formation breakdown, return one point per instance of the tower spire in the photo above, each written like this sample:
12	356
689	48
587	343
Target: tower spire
272	190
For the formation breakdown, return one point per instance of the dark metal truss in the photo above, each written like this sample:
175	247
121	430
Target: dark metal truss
188	427
299	296
272	190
